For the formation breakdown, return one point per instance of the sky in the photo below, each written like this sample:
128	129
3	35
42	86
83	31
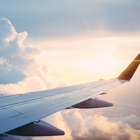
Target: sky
49	44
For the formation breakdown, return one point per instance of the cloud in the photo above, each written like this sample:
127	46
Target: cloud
9	49
132	120
6	31
97	127
19	67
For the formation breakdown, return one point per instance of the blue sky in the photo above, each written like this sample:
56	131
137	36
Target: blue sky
70	18
48	44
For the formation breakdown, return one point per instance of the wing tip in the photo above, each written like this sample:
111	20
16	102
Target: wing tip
130	70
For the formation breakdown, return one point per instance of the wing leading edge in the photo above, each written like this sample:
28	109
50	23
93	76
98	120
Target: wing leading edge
31	107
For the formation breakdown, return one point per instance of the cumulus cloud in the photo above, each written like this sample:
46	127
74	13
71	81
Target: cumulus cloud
98	127
19	68
6	31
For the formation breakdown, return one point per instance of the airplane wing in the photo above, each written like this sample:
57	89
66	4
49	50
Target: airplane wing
20	114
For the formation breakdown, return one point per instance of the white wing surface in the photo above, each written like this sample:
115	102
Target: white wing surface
23	110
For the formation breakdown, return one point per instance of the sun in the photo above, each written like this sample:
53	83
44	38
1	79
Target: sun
104	62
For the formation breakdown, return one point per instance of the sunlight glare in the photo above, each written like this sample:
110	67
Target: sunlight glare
112	48
103	63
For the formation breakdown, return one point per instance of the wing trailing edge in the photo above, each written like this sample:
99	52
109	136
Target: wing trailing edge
130	70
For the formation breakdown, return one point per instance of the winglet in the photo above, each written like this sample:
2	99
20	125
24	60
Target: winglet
130	70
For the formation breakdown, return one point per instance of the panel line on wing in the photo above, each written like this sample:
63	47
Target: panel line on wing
47	94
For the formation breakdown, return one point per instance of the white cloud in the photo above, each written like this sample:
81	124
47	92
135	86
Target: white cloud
6	31
98	127
19	69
